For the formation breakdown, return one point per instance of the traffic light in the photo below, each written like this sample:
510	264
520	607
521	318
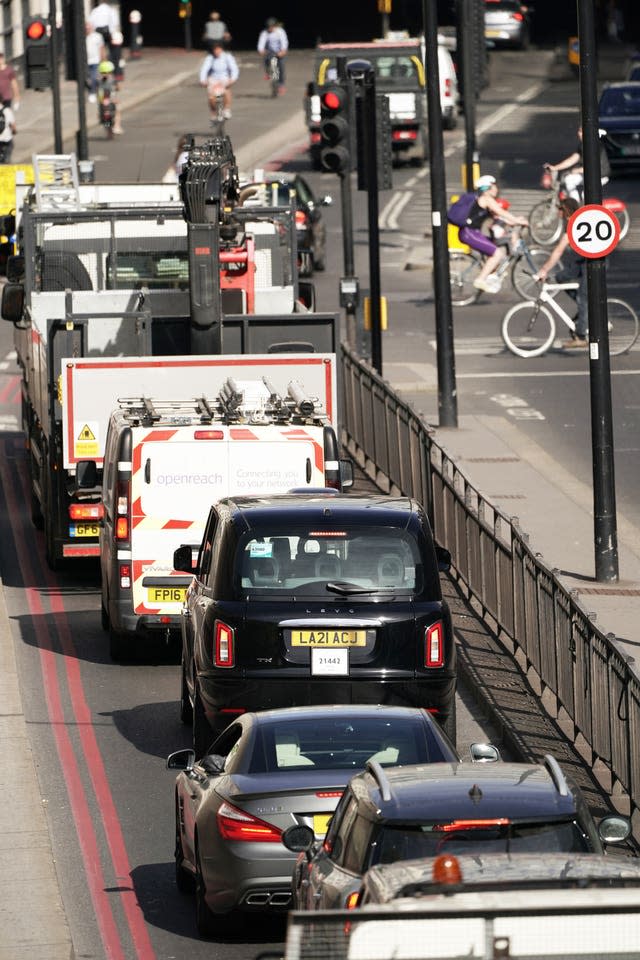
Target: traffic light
335	135
37	53
184	9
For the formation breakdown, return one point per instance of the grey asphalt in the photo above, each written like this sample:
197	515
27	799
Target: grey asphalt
554	507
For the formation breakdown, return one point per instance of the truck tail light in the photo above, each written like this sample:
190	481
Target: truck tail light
125	576
235	824
86	511
123	504
434	645
353	900
301	218
223	645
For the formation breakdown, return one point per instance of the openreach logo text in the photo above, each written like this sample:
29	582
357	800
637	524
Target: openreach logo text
188	479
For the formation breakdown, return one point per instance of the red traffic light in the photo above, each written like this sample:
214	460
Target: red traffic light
333	99
36	30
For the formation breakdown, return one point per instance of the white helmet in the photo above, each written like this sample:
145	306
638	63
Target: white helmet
483	183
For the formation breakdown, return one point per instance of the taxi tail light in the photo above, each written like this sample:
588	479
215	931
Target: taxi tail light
235	824
123	504
397	135
125	576
86	511
434	645
223	645
517	16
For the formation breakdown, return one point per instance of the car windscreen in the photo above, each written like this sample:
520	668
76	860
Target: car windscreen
621	102
345	561
331	743
400	68
409	842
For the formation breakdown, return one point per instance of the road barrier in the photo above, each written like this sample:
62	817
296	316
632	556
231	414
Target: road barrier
584	681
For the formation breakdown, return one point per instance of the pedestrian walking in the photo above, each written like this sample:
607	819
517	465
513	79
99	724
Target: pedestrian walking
104	19
95	54
7	133
9	89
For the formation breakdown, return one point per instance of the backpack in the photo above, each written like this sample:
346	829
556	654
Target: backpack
458	212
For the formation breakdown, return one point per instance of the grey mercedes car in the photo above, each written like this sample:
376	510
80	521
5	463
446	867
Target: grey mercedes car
269	771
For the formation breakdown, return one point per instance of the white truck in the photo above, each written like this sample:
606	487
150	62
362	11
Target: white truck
106	271
572	923
258	424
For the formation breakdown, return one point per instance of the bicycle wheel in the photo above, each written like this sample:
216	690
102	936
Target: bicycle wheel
623	326
463	269
274	75
528	329
545	225
524	269
623	219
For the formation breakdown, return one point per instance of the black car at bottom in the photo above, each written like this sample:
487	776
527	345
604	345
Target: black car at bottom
309	599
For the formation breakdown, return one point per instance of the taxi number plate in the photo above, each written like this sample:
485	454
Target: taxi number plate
84	530
321	823
328	638
166	594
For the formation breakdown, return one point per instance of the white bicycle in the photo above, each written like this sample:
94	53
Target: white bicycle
529	328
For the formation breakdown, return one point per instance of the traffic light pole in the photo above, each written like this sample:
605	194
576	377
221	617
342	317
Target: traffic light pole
447	393
82	142
350	303
368	92
55	77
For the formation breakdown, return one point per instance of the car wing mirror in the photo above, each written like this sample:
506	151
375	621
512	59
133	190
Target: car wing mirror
12	304
181	760
444	559
614	829
299	839
183	558
346	474
484	753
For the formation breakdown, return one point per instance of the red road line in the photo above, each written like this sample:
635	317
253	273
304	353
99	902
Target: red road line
81	814
8	393
100	782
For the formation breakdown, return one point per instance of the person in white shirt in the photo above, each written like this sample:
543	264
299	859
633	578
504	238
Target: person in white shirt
104	19
219	68
7	133
95	53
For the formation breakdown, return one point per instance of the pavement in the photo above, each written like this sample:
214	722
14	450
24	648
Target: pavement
553	506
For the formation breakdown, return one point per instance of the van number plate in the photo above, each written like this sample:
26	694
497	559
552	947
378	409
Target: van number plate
166	594
84	530
328	638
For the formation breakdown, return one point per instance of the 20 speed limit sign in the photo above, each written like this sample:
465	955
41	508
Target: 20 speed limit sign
593	231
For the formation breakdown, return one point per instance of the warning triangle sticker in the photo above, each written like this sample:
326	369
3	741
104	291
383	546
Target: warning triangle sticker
86	433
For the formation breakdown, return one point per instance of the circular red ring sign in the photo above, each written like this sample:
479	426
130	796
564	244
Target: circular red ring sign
593	231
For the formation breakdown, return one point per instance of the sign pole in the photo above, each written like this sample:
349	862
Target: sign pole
604	491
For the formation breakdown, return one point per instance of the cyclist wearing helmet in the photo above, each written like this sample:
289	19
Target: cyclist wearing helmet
486	206
273	40
108	92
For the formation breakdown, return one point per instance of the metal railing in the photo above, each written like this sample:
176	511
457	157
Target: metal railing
577	665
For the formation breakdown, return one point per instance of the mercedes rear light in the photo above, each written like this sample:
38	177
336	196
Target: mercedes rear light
223	645
397	135
235	824
434	645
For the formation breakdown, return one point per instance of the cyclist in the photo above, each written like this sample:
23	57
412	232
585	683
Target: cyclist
572	164
274	40
108	92
572	269
486	207
219	68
